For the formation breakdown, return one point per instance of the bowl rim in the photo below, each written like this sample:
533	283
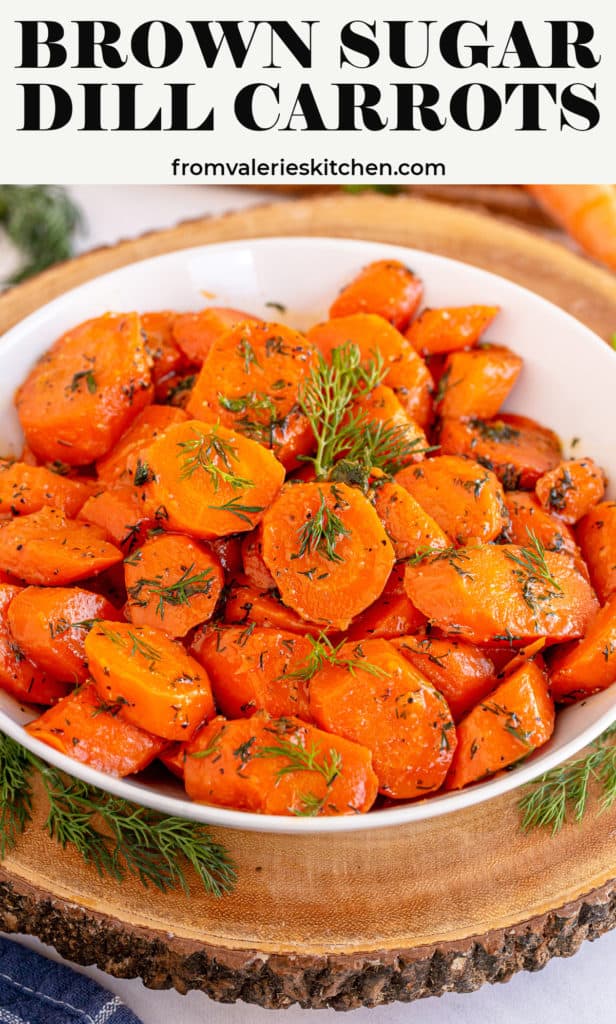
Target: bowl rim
228	818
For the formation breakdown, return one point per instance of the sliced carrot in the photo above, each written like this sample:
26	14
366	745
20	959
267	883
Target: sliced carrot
228	551
86	390
380	700
250	382
19	676
174	758
25	489
571	490
587	212
255	670
172	584
45	548
526	514
392	614
249	606
519	450
211	481
327	551
195	333
589	665
596	535
408	526
50	625
381	406
493	594
385	287
516	718
464	498
125	459
477	383
278	766
83	727
155	683
463	673
406	372
254	567
451	329
166	356
124	513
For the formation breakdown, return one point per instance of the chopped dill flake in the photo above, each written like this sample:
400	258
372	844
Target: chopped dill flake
323	652
243	512
300	759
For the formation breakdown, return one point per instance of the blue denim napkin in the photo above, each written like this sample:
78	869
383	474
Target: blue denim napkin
34	990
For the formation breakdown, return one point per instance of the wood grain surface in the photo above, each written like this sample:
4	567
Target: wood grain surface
339	920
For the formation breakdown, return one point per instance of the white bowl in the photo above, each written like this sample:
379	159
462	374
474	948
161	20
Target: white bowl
568	383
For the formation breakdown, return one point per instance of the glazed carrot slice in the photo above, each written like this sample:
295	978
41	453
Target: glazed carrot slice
587	212
125	459
50	625
408	526
463	673
278	766
385	287
248	606
596	535
166	356
380	700
83	727
515	719
174	758
571	490
86	390
228	551
255	670
463	497
327	551
124	513
502	594
47	549
392	614
406	373
156	684
250	382
254	567
477	383
25	489
450	329
211	481
195	333
19	676
526	513
519	450
172	584
589	665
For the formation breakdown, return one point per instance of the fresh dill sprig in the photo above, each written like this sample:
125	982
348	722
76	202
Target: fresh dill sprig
533	572
567	788
132	643
257	401
302	759
41	221
311	806
243	512
173	594
453	556
322	532
386	446
326	397
323	652
132	840
215	456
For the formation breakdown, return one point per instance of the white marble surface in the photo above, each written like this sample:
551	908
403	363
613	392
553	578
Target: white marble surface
580	990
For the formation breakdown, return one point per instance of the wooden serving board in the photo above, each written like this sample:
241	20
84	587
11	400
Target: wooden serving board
357	919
